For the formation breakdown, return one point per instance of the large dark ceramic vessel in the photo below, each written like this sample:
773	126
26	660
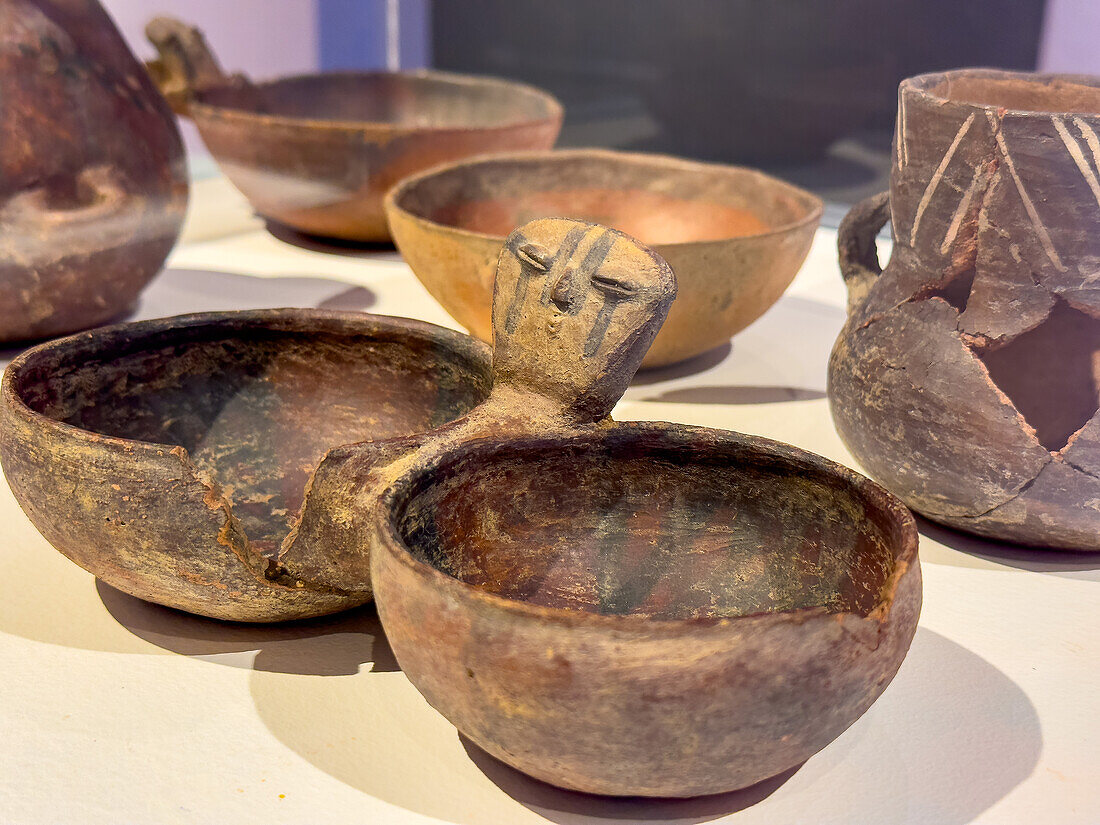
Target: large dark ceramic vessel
93	185
966	379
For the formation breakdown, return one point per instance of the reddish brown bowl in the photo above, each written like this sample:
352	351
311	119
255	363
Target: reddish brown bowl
648	609
172	458
318	152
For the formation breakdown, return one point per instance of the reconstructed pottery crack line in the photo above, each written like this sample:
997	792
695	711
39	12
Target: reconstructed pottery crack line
1023	489
1079	468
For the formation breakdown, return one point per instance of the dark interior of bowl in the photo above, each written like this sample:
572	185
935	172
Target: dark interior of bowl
256	408
656	201
652	524
1019	92
399	99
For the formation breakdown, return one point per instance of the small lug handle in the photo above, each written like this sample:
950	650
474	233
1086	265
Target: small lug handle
185	63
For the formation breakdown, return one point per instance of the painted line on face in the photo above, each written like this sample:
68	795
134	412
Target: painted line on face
599	328
597	254
566	251
511	317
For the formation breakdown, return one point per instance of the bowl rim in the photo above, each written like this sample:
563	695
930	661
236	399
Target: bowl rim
554	111
392	502
815	205
288	319
922	86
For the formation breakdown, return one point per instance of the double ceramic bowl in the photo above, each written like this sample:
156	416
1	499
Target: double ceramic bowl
618	608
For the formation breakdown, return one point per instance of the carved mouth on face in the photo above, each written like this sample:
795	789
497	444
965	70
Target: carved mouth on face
554	324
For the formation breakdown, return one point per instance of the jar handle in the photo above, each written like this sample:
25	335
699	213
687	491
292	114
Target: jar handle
859	264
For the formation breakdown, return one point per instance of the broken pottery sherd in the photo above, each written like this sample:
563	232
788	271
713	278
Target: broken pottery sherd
628	609
967	377
318	152
172	458
735	237
93	185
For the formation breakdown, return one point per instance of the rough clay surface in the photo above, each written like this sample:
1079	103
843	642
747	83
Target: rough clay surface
734	237
644	609
966	378
92	178
174	458
617	608
318	152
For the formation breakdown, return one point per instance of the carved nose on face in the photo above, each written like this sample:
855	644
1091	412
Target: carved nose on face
564	292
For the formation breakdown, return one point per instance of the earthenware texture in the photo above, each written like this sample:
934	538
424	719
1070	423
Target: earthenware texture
643	609
318	152
176	459
628	609
93	185
735	237
966	378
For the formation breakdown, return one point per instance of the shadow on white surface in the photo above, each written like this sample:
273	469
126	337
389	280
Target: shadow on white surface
681	369
178	291
735	395
950	738
331	246
1065	563
329	646
560	805
783	356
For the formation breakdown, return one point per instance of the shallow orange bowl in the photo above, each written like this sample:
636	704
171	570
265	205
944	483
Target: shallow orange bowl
735	237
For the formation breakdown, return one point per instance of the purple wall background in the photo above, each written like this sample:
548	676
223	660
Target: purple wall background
266	38
1071	31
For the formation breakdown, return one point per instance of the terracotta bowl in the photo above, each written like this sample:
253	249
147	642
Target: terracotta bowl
171	458
734	237
318	152
649	609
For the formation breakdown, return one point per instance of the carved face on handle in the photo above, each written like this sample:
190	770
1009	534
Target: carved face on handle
575	308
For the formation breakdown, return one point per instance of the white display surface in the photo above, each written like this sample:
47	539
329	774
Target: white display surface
114	711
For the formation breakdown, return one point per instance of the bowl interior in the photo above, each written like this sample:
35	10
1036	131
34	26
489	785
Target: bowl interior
1018	92
658	201
405	100
654	525
257	408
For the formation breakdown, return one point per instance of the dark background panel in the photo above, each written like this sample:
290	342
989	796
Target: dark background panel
803	88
